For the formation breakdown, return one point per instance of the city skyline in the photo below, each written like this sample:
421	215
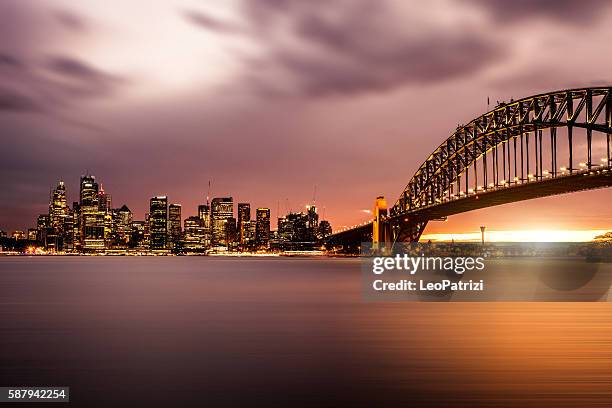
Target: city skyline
269	99
93	225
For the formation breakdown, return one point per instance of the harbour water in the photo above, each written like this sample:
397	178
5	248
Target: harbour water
210	331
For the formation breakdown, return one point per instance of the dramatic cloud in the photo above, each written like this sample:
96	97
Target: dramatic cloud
207	22
82	78
71	21
13	101
349	47
563	11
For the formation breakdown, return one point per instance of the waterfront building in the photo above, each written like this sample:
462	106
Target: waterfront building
193	235
18	235
58	208
137	238
174	226
122	222
244	216
231	234
262	229
325	229
222	208
204	215
312	225
92	227
158	223
32	234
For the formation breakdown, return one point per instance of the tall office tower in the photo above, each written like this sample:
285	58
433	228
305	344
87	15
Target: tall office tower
146	243
262	228
313	223
76	226
244	215
42	226
92	219
285	230
231	233
105	208
105	200
204	215
248	235
158	223
325	229
193	236
137	239
221	209
123	225
88	194
58	209
68	231
174	226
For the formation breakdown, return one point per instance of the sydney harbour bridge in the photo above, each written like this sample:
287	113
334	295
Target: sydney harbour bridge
539	146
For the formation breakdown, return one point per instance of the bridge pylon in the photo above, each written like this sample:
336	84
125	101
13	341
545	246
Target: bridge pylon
380	226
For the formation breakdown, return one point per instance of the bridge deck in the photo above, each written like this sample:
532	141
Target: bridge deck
579	181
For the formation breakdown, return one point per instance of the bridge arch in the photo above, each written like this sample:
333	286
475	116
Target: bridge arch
506	148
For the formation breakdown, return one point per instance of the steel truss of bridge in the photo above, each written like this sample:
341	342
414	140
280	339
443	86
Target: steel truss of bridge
543	145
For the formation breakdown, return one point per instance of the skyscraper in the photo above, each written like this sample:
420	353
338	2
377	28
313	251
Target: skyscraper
123	225
58	209
158	223
312	226
244	216
221	209
105	207
193	237
174	226
205	232
262	228
58	214
325	229
92	219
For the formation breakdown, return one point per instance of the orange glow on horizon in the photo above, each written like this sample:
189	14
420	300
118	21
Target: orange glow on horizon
518	236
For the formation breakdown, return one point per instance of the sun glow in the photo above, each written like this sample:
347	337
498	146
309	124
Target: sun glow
519	236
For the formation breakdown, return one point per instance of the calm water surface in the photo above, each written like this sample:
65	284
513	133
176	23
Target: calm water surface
216	332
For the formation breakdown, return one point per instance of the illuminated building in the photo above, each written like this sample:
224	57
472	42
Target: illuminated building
248	235
58	209
122	222
204	215
193	235
92	226
262	228
325	229
105	208
18	235
43	225
231	233
221	209
158	223
32	234
76	226
244	215
137	239
174	226
312	225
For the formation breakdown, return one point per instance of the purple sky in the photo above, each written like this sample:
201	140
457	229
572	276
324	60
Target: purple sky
268	98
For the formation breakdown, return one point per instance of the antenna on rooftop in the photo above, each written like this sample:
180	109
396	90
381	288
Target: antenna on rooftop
208	193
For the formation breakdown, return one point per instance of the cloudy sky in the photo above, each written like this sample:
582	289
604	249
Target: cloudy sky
268	98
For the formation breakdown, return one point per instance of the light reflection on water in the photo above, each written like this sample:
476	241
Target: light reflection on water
231	332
